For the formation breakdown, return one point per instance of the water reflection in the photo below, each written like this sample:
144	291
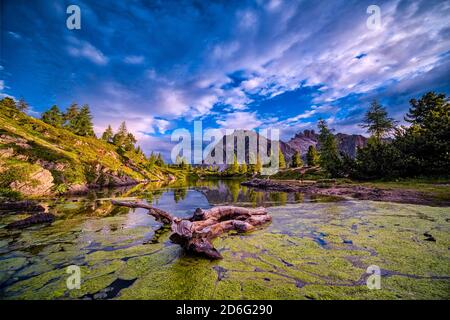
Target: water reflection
180	198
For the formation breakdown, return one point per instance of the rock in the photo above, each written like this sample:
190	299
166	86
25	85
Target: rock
77	188
34	219
20	142
6	153
39	183
429	237
58	166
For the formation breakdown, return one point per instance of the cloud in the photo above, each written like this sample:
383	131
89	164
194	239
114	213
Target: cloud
15	35
134	59
269	63
78	48
240	120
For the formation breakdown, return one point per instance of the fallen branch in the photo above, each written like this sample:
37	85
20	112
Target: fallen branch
195	234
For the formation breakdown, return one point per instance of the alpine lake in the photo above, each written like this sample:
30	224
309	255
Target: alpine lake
316	247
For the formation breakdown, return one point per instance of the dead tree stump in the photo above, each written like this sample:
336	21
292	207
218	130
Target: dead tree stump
196	233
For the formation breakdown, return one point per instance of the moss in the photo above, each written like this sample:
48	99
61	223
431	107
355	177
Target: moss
310	250
10	194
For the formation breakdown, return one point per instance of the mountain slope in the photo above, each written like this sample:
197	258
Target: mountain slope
38	159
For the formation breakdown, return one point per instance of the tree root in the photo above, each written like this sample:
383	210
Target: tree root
196	233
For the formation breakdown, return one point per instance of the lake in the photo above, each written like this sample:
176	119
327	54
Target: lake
315	248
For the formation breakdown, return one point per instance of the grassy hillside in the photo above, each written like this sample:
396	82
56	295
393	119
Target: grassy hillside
31	149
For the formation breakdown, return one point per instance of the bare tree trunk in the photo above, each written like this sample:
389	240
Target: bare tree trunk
195	234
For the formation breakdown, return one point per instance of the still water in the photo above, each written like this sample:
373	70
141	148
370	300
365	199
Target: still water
315	248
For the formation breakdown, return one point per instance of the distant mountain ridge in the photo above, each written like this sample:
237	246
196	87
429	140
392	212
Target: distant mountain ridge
347	143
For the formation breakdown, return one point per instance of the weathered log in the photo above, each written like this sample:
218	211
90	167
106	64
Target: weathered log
195	234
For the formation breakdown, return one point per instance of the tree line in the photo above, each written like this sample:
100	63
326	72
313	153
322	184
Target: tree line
392	151
75	119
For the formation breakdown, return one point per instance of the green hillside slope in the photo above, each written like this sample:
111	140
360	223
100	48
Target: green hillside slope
38	159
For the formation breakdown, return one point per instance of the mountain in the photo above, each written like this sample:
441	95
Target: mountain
249	135
300	142
40	159
347	143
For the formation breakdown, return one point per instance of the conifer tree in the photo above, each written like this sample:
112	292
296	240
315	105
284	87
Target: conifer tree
377	122
296	160
108	134
312	157
83	122
53	116
22	106
70	116
281	160
328	154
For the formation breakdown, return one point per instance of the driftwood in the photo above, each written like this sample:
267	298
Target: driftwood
195	234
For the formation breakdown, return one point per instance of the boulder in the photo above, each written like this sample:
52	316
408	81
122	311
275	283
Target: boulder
39	183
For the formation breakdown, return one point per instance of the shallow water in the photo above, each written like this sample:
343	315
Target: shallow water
315	248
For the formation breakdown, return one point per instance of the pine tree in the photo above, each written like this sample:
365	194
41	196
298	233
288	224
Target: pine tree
70	116
121	135
159	160
243	168
8	103
53	116
108	134
312	157
296	160
425	146
139	151
377	122
151	160
83	122
258	166
22	106
235	166
281	160
328	154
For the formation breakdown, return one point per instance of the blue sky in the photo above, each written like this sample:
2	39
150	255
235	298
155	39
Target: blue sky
159	65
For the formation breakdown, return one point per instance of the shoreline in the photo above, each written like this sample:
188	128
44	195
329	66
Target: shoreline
354	191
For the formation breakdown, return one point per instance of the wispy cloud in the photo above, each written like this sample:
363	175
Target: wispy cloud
79	48
134	59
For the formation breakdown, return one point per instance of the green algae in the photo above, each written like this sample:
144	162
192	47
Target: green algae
313	250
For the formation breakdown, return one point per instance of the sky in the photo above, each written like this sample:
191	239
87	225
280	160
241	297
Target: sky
160	65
